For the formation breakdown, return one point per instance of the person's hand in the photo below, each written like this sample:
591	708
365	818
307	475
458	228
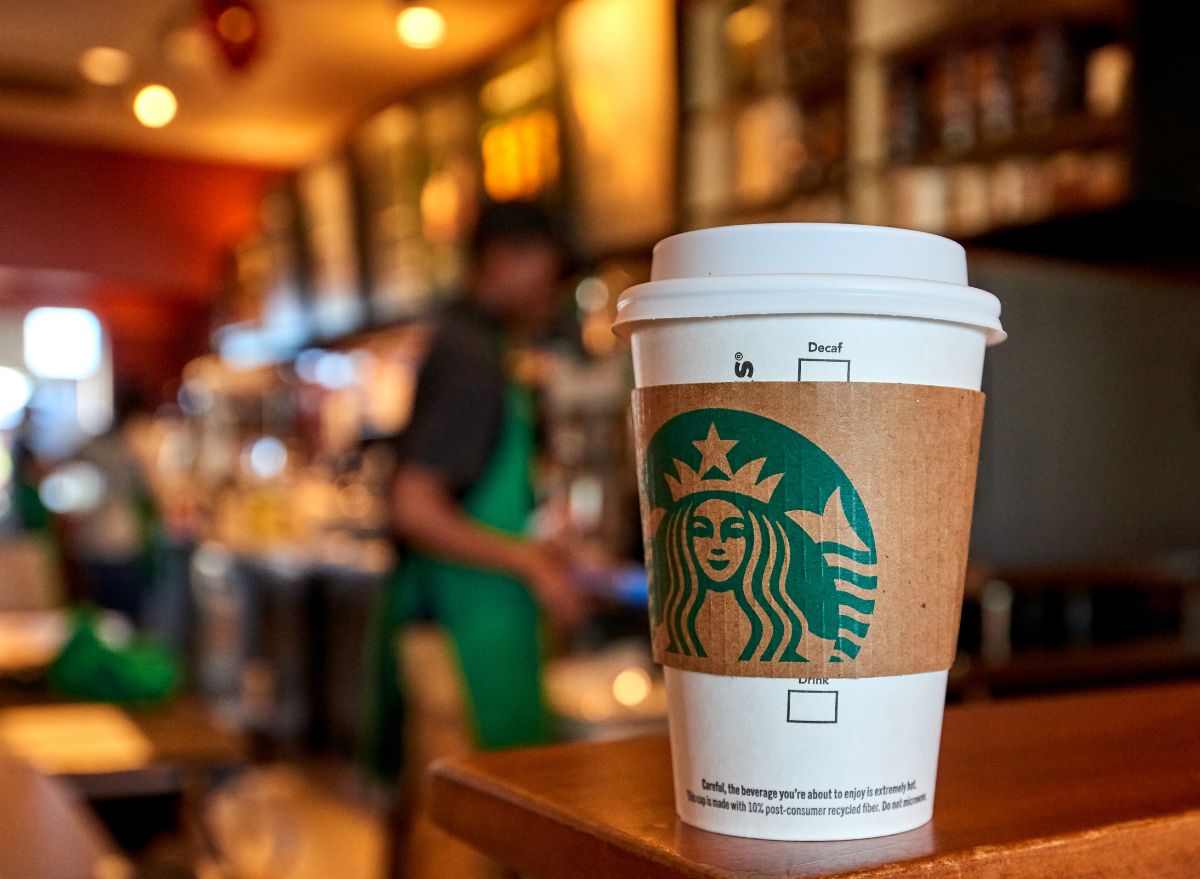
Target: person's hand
549	579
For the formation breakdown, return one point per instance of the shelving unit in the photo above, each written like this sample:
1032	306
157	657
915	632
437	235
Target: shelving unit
957	117
994	115
763	119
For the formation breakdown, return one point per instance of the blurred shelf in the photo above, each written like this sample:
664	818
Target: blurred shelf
1149	239
727	109
1080	132
972	23
829	80
182	737
1170	574
780	206
1028	672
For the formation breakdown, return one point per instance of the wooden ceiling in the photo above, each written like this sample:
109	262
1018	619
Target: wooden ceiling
322	65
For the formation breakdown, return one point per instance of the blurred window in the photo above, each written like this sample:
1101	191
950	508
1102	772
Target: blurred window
62	343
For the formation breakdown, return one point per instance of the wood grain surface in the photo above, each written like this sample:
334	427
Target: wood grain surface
1097	785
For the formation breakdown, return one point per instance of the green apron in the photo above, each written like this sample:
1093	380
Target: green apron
492	620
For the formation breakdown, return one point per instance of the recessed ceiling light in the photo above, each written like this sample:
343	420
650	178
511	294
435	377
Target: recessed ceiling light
155	106
105	65
236	25
420	27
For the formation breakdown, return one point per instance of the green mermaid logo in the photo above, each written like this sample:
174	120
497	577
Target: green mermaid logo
745	505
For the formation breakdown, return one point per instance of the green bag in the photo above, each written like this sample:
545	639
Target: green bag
88	668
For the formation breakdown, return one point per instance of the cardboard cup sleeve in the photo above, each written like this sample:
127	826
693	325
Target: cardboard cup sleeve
803	529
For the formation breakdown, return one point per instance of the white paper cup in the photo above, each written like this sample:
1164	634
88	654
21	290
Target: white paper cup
807	302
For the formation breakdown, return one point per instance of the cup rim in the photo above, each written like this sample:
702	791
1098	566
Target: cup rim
721	296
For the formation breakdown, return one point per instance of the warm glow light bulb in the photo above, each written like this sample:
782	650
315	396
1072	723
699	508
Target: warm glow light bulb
105	65
155	106
420	27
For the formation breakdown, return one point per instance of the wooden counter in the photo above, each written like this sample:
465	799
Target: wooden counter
1096	785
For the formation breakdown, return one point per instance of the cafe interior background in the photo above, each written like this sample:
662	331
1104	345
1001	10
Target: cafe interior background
241	213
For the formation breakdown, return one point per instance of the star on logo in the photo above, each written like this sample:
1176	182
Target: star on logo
714	452
714	455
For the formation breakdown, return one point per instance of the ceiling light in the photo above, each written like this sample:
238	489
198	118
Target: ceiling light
420	27
105	65
155	106
236	25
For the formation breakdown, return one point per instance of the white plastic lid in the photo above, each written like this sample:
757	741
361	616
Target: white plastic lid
809	268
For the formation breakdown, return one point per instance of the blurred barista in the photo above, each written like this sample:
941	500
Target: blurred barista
460	505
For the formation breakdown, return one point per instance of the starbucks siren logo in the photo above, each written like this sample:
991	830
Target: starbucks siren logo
743	504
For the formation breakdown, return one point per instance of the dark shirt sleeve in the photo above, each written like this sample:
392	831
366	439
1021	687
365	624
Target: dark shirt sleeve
458	406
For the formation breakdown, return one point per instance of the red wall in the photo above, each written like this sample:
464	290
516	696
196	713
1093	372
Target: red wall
149	234
141	219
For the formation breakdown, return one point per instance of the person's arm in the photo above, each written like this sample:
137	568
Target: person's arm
427	517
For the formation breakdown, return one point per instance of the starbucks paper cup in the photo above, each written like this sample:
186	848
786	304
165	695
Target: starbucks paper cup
807	416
